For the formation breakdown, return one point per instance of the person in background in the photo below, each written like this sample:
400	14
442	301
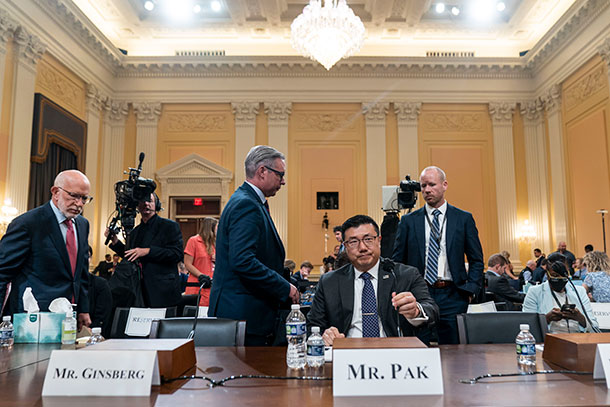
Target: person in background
597	280
184	275
100	301
588	248
289	265
498	283
338	236
580	270
568	255
104	268
509	272
304	271
199	258
550	298
539	256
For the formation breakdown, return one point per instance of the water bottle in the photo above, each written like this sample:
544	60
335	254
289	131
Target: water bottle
295	334
96	336
68	329
6	333
526	350
315	348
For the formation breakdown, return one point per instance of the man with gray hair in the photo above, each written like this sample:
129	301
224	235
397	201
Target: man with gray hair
46	249
248	283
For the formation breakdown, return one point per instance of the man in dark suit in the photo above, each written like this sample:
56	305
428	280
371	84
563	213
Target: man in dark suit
498	284
434	239
248	278
46	249
342	307
104	267
156	243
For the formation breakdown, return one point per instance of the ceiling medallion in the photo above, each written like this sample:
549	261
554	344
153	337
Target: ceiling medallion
327	33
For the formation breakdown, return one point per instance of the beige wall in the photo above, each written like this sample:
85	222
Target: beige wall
586	113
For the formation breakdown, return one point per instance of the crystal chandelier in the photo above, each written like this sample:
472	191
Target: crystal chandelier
327	33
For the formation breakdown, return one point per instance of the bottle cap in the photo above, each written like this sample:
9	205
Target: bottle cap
295	306
315	329
6	318
524	327
69	314
96	330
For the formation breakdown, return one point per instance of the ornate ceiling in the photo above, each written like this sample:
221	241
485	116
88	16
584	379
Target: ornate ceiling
395	28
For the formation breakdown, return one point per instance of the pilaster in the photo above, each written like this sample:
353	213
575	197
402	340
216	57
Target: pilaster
376	177
147	119
407	114
245	134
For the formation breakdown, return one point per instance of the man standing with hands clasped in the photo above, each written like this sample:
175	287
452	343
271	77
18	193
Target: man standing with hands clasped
248	282
435	239
371	296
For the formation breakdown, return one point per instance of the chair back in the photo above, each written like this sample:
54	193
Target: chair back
119	322
499	327
190	310
210	331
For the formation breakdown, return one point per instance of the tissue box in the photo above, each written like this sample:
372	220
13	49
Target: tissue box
38	327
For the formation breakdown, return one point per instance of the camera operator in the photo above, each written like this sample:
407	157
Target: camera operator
156	243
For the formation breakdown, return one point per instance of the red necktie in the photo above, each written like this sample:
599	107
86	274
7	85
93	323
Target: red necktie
266	205
71	244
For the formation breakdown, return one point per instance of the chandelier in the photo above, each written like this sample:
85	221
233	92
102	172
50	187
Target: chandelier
327	33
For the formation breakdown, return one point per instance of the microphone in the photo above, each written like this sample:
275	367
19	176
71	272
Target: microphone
141	159
388	266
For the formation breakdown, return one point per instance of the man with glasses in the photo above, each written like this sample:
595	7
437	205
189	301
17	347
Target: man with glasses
248	278
370	296
46	249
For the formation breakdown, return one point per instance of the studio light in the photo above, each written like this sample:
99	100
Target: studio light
500	6
149	5
455	11
215	5
440	8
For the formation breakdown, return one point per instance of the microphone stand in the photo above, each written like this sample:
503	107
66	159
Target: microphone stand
192	333
389	267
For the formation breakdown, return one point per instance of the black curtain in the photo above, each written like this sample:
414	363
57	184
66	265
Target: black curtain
42	175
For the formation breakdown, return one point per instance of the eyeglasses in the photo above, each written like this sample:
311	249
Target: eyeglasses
279	173
354	243
83	198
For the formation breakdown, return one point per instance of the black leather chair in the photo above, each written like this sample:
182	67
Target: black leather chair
210	331
499	327
189	311
119	322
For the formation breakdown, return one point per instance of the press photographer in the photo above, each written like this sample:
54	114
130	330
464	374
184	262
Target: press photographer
154	246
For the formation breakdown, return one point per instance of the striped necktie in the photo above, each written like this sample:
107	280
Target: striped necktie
434	250
370	319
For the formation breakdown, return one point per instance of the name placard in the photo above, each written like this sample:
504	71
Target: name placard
101	373
601	311
388	372
601	368
140	320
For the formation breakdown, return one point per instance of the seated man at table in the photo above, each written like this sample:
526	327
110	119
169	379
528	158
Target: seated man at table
345	304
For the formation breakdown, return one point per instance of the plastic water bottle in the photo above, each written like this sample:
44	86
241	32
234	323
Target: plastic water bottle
68	329
315	348
7	333
96	336
295	334
526	350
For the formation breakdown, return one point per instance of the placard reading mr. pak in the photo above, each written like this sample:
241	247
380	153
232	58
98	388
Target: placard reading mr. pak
387	372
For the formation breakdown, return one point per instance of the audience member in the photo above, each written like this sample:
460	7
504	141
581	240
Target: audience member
104	268
539	256
384	293
199	258
337	232
568	255
304	271
509	266
498	284
435	239
156	244
290	265
249	281
580	270
597	281
527	273
46	249
588	248
539	275
550	298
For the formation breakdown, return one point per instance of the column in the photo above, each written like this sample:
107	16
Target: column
245	132
113	145
278	113
552	103
147	118
532	112
94	106
407	114
506	192
27	52
374	115
604	52
7	27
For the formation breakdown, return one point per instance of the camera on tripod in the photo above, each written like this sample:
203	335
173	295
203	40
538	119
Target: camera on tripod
129	193
404	196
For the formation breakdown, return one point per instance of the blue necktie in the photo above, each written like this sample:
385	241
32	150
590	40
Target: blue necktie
434	249
370	320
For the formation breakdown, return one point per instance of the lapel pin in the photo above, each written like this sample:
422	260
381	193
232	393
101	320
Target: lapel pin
386	276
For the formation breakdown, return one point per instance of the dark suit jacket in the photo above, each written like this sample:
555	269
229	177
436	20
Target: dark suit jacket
538	275
462	237
33	254
248	283
160	279
502	289
333	304
100	304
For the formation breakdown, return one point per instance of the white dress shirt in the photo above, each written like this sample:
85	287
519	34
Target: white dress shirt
256	189
62	226
443	264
